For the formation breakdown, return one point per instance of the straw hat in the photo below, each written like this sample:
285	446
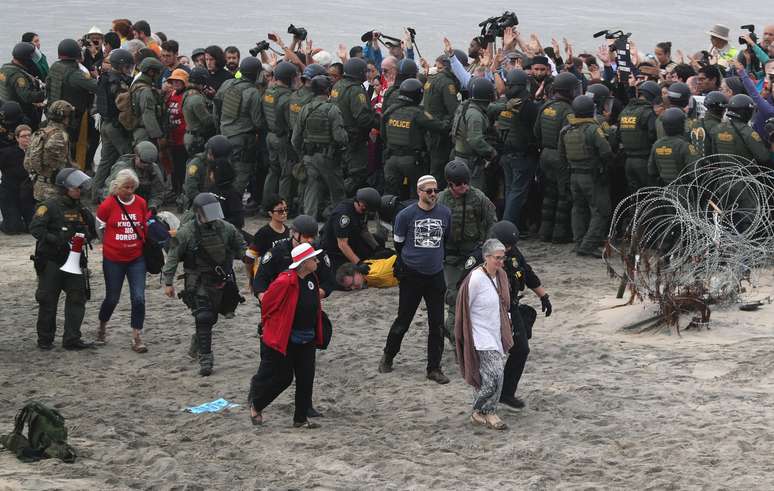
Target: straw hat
301	253
95	30
719	31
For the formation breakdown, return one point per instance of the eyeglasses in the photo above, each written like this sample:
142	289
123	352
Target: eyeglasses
430	190
280	210
499	258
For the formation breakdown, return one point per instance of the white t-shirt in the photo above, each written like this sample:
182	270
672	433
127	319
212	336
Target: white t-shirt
484	306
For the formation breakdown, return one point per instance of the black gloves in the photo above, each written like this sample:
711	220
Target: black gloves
545	304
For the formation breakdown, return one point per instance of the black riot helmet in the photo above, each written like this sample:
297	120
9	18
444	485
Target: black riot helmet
285	72
583	106
305	225
673	120
120	58
457	172
370	198
69	50
413	89
355	69
249	67
601	95
313	70
198	76
566	84
650	91
150	63
10	113
23	51
482	90
321	85
206	207
679	94
741	107
219	146
407	68
506	232
70	178
716	102
516	83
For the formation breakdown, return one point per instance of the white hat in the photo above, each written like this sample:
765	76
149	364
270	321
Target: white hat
301	253
426	179
323	58
95	30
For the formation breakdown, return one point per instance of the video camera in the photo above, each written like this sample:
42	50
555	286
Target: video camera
494	27
259	46
620	45
753	36
298	32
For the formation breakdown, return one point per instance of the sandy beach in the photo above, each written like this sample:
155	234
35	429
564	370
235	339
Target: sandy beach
606	409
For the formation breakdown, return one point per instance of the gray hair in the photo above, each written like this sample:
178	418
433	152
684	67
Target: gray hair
123	176
134	45
491	246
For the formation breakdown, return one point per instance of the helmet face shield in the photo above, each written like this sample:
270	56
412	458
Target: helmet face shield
210	212
76	179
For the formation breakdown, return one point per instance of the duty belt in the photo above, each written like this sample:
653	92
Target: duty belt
403	152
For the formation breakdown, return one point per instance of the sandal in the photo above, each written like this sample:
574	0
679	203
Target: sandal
101	336
494	422
138	346
306	424
478	419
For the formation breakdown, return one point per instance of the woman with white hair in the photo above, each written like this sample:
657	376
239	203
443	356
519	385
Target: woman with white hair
124	214
483	333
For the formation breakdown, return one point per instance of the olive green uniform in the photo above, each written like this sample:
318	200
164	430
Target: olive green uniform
19	86
148	107
701	133
669	156
276	111
239	115
55	222
195	180
56	156
318	135
404	128
199	123
203	291
151	186
736	138
298	99
470	130
557	197
472	215
66	81
583	147
359	118
441	100
115	138
637	133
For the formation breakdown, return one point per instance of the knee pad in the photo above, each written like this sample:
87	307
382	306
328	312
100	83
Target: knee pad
205	317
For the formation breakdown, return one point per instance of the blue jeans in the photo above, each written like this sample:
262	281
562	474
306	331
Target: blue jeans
115	273
519	170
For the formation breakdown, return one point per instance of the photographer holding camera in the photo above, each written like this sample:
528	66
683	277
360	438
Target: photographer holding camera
721	52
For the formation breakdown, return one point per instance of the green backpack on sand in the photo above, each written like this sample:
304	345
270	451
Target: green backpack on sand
46	438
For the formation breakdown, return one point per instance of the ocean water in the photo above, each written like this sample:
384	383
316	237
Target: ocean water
242	23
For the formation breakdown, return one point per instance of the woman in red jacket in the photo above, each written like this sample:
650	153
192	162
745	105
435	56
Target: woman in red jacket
292	331
122	253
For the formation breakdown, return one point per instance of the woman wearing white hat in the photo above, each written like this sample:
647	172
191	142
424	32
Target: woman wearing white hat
292	331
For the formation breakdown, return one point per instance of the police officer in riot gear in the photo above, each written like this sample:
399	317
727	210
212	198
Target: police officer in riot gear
520	276
208	247
116	138
197	111
516	114
637	133
735	136
678	95
470	130
472	214
359	118
319	135
54	226
276	111
148	103
585	151
239	115
407	69
553	116
404	128
19	83
216	150
441	100
671	153
346	237
715	104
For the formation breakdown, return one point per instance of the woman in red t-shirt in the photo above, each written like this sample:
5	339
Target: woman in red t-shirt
122	252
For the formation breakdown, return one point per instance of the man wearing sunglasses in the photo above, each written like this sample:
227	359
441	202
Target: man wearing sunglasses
421	231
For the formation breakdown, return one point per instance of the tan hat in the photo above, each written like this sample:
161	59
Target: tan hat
719	31
95	30
179	74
